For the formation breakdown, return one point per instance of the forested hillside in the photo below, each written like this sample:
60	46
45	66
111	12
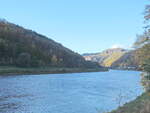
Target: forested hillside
117	58
107	57
128	61
26	48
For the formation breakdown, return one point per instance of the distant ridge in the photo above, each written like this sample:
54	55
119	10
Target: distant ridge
116	58
106	57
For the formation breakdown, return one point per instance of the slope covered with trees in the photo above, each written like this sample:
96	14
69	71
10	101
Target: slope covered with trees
128	61
26	48
117	58
107	57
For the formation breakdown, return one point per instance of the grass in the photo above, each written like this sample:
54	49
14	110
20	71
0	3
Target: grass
139	105
8	70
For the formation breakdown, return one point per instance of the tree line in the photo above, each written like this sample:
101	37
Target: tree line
142	46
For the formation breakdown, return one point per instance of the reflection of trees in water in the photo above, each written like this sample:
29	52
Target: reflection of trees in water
146	81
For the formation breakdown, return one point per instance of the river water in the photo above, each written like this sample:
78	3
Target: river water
92	92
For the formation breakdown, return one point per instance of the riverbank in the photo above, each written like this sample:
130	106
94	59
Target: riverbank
140	105
7	70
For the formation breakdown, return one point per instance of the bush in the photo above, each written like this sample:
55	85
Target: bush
146	66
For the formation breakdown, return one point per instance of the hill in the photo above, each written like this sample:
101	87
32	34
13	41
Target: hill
25	48
128	61
107	57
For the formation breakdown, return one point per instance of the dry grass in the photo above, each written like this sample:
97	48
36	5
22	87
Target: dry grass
140	105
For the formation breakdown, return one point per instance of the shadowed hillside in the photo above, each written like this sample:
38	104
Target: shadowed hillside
26	48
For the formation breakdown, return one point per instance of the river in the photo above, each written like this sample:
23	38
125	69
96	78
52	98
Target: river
92	92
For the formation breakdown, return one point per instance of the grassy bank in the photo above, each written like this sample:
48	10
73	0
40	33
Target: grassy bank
139	105
7	70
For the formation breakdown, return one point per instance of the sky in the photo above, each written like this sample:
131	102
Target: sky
85	26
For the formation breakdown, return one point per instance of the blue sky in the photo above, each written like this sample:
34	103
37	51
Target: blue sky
81	25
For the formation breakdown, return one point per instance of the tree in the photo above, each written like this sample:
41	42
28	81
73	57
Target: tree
24	60
143	43
142	39
35	62
143	53
146	66
147	13
54	60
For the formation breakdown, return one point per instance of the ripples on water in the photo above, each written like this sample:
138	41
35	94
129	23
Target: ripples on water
68	93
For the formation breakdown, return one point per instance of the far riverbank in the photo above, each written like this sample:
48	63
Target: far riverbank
8	70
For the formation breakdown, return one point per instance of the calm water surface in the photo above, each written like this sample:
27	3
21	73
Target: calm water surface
68	93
